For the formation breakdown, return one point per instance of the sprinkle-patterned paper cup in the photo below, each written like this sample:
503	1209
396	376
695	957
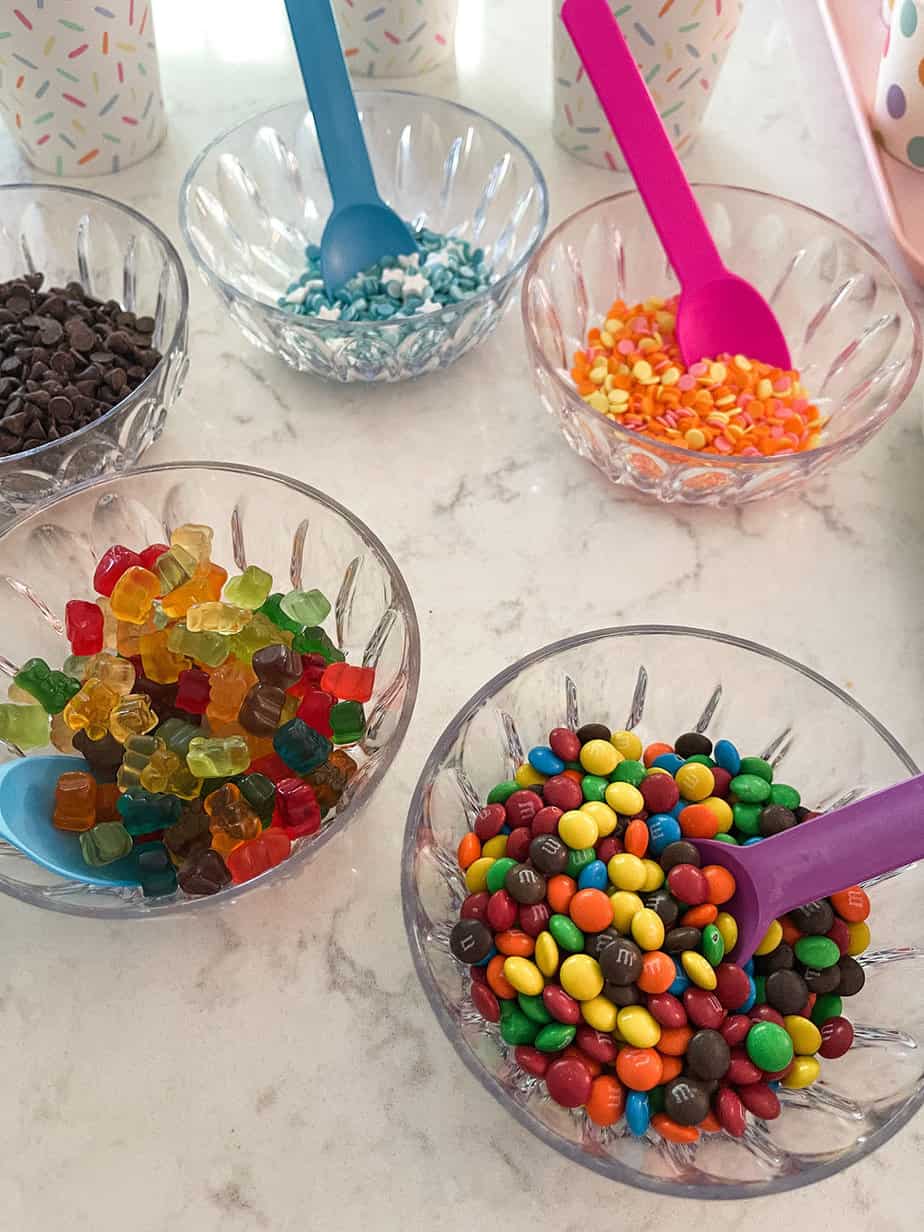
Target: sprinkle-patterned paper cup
898	114
396	38
79	83
680	46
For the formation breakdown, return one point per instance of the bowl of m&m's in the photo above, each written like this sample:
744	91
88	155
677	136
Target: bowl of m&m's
253	207
212	668
579	952
599	309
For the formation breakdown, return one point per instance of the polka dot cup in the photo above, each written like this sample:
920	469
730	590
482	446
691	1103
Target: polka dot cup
899	108
80	93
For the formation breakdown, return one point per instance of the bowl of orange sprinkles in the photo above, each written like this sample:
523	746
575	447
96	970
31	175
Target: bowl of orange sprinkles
599	308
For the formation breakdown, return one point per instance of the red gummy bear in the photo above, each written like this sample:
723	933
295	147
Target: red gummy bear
83	625
258	855
297	810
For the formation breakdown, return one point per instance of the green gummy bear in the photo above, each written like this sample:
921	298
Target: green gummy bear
313	640
25	726
347	722
250	589
52	690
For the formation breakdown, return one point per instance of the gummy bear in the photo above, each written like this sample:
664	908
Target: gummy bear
205	872
250	589
193	692
196	539
315	709
61	735
272	610
159	663
301	747
83	627
313	640
115	672
260	794
112	564
230	812
189	835
131	715
107	800
217	758
203	587
347	722
177	734
52	690
217	617
258	855
75	801
139	751
229	683
105	843
133	595
175	567
313	668
209	649
296	810
143	813
261	709
104	756
306	607
152	554
277	665
156	873
90	709
348	683
254	636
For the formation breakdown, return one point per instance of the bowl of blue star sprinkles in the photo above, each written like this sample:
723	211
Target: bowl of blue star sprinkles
253	207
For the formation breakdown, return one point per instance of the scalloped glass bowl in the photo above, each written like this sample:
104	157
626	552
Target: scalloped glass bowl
257	195
851	330
661	681
70	234
296	532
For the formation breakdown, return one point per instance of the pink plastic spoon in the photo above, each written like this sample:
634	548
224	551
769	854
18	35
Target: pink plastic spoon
718	311
875	835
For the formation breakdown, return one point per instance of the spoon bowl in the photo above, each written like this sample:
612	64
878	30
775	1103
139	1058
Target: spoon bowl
728	314
27	795
357	236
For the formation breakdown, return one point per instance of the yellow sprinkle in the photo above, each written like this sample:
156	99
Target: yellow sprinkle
728	400
670	376
598	375
742	363
764	388
599	401
717	373
647	344
694	438
608	383
666	321
642	370
607	338
615	326
619	396
652	305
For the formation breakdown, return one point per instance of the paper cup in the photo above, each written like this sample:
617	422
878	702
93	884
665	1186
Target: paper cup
680	46
396	38
79	84
898	112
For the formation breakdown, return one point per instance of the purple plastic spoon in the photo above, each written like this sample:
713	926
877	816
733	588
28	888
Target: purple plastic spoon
718	310
875	835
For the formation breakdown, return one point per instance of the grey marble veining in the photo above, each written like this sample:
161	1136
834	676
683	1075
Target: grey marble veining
277	1067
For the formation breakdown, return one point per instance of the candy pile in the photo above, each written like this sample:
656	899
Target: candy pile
597	940
65	360
207	710
633	373
444	272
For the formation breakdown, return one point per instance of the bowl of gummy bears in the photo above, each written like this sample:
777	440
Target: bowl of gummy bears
253	207
579	952
228	661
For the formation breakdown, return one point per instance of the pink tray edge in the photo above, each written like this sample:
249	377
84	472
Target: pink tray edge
846	26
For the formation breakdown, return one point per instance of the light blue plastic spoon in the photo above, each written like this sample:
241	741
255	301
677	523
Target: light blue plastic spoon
27	797
361	228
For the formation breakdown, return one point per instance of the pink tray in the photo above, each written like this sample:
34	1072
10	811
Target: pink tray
856	34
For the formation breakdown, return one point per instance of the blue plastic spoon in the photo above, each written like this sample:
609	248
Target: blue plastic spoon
27	797
361	228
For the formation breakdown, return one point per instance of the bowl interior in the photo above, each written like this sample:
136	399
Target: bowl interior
298	534
851	331
258	194
663	681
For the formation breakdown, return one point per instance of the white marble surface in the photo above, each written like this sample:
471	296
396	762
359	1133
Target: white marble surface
276	1067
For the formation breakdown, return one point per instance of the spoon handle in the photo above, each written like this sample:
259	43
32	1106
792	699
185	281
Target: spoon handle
643	140
333	106
875	835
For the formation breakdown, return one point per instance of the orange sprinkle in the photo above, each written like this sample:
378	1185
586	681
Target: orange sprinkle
633	373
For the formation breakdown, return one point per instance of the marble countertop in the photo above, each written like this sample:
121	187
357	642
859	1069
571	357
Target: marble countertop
276	1067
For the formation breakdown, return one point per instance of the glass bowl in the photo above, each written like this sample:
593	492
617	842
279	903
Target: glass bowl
851	330
71	235
257	195
286	527
662	681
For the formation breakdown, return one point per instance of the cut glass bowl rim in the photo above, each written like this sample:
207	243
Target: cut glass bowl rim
170	348
676	453
614	1169
316	322
28	894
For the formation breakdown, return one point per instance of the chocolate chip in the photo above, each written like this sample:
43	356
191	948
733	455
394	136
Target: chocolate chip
145	325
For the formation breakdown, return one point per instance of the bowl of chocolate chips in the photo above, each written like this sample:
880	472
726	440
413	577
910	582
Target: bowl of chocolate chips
93	339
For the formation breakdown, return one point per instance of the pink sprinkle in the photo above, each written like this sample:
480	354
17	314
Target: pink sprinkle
662	366
773	405
792	440
781	384
625	347
78	51
744	398
699	369
121	70
671	418
686	382
392	38
568	116
723	444
42	140
440	39
746	419
78	102
640	325
750	452
129	120
23	18
776	432
800	405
